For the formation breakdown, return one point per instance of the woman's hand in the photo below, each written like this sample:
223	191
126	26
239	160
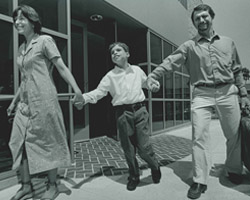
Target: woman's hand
24	109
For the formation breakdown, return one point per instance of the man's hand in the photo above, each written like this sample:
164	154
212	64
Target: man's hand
245	102
153	85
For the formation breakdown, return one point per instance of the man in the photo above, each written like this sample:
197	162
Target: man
215	72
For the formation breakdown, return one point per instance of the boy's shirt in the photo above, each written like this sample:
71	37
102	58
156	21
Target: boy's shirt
124	85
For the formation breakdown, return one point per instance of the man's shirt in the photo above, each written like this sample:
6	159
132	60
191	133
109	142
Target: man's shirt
124	85
207	61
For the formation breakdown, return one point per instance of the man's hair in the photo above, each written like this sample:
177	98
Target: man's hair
121	44
203	7
31	15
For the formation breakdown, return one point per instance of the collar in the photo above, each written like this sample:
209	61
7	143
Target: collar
199	37
118	69
31	44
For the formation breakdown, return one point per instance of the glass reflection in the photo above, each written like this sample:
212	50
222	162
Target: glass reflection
6	58
156	49
179	112
61	85
157	115
187	111
6	7
169	88
167	49
178	86
5	127
53	13
169	114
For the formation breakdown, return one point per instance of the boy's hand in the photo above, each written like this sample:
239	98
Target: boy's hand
153	85
78	101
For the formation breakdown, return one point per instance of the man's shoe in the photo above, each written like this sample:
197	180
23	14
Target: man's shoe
156	175
235	178
132	183
195	190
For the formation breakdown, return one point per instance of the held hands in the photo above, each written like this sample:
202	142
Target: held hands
153	85
78	101
245	105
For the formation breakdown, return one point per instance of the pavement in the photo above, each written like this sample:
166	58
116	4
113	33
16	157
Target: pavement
99	171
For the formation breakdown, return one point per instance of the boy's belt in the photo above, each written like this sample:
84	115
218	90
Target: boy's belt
211	85
130	107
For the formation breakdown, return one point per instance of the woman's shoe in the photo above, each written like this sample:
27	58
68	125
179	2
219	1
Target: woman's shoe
24	193
51	192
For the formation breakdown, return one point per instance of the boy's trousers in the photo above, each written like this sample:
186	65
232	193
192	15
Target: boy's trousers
134	134
224	100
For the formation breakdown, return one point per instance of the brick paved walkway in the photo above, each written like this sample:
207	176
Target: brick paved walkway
104	156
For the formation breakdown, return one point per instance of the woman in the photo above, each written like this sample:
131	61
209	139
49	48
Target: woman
38	139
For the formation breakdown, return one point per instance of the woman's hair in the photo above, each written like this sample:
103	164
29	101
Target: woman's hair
123	45
31	15
203	7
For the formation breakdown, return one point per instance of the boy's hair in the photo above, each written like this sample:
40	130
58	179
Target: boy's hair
31	15
203	7
121	44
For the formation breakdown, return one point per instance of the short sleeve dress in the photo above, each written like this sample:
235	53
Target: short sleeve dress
41	132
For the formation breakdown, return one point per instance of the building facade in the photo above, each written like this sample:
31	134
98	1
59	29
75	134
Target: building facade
83	30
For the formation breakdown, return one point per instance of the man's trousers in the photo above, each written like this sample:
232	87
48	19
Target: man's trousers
224	100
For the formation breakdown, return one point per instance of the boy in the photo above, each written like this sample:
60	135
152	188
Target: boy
125	83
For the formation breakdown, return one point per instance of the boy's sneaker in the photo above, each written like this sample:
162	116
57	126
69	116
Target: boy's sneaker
156	175
132	183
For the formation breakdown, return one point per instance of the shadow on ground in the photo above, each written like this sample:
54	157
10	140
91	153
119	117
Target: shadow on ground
218	171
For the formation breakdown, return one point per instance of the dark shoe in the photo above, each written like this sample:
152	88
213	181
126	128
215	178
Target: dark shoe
235	178
156	175
132	183
195	190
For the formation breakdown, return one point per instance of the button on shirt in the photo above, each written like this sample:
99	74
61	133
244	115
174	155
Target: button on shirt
210	61
124	85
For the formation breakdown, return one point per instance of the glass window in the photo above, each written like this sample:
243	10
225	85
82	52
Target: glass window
186	87
179	111
5	127
6	58
157	115
169	114
53	13
167	49
185	70
169	88
156	49
136	41
187	109
178	86
78	73
6	7
158	94
61	85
